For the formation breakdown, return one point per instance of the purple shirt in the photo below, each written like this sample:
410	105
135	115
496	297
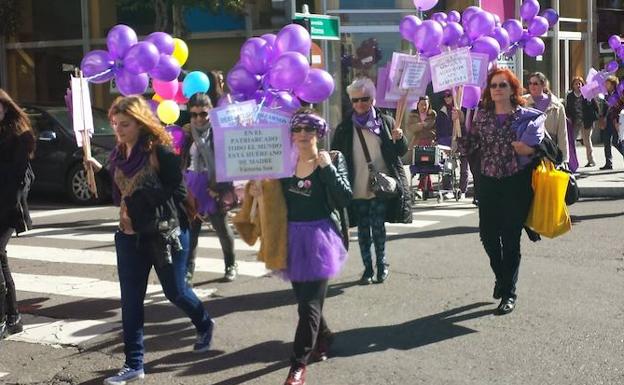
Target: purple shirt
541	102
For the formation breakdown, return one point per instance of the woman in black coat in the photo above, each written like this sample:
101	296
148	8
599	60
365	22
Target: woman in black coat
386	144
17	146
583	113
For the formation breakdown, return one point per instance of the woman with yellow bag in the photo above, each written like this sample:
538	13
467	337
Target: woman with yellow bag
505	135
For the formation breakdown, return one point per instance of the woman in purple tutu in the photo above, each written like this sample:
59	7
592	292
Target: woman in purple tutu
316	251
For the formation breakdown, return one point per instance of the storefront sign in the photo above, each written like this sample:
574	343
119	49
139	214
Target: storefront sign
504	62
451	69
254	152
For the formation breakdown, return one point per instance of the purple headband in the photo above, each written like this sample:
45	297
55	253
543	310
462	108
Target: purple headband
310	120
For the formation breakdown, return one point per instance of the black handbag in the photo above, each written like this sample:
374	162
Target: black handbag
572	192
381	184
339	215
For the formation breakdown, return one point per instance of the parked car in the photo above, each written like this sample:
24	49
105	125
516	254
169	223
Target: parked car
58	160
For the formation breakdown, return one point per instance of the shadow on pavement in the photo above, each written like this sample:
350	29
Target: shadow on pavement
408	335
436	233
581	218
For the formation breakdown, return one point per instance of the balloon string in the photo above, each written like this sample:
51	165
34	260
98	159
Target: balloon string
259	108
105	72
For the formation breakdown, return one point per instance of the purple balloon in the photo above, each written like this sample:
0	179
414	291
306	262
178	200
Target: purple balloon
534	47
464	41
431	51
429	33
451	33
615	42
119	40
263	97
131	84
538	26
502	37
289	71
620	88
612	66
497	21
317	87
224	100
162	41
551	15
96	62
167	68
529	9
471	97
480	24
141	57
620	52
408	26
239	80
177	136
514	29
454	16
295	38
425	5
612	100
286	101
269	38
487	45
468	13
153	106
255	55
440	17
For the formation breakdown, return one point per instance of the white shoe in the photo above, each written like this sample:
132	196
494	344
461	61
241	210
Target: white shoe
462	196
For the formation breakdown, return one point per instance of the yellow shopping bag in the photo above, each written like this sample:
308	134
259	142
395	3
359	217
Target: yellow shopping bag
548	215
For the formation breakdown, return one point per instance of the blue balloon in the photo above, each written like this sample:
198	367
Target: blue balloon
195	82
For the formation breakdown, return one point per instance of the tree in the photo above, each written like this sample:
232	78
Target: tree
169	13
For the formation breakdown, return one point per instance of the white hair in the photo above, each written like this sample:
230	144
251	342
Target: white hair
364	85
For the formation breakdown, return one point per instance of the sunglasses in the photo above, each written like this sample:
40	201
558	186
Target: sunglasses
195	115
363	99
501	85
308	129
535	84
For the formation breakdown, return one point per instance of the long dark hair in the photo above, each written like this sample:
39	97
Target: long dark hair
514	83
216	88
16	122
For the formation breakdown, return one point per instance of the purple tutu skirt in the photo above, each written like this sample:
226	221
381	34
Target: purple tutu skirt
315	251
197	184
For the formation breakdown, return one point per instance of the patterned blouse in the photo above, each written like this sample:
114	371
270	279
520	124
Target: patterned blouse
127	185
493	142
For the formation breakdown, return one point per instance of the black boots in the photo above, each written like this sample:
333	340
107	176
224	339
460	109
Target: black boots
367	277
14	324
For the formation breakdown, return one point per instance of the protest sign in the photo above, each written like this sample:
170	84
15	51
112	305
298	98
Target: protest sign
272	116
253	152
480	62
451	69
233	114
407	75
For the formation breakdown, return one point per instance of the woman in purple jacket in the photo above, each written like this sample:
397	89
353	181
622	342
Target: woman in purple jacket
505	134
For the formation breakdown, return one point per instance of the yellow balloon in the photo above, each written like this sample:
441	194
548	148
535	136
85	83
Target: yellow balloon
180	51
168	111
157	98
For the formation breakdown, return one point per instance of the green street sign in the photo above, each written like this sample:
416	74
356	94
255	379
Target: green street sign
322	27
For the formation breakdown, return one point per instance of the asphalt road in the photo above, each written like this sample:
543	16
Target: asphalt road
430	323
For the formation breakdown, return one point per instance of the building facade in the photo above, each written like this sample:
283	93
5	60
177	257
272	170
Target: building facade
53	36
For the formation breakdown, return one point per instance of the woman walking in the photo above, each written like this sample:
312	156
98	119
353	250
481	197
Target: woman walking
505	134
386	144
421	124
147	176
583	113
17	146
198	161
316	252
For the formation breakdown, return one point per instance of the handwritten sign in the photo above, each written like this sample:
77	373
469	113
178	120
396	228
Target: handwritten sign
81	108
407	74
451	69
272	116
233	115
480	62
253	152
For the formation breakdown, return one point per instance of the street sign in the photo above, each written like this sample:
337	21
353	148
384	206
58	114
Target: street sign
322	27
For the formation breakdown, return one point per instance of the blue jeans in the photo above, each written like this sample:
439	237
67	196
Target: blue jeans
133	266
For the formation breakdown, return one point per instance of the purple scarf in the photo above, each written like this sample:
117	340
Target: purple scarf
368	121
130	166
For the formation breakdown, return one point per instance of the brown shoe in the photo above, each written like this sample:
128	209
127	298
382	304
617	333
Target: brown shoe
296	376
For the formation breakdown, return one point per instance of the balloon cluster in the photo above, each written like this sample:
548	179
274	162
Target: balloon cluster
274	70
480	30
596	79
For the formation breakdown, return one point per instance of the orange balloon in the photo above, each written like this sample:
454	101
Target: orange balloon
157	98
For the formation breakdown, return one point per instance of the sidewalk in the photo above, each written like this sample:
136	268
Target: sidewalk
594	182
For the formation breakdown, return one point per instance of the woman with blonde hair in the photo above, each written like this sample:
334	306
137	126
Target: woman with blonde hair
153	227
17	146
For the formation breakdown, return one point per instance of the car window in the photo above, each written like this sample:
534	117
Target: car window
101	125
39	121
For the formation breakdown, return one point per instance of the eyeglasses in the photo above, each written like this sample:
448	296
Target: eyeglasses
535	84
308	129
501	85
195	115
363	99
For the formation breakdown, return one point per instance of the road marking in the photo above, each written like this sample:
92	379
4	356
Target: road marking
445	213
84	287
109	258
96	227
50	213
68	332
3	374
416	224
107	237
